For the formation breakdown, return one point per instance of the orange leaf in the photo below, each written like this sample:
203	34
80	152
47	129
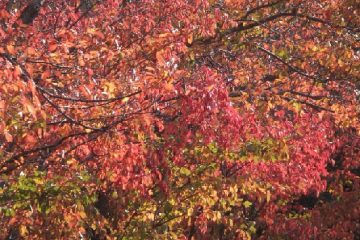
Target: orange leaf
31	51
190	39
30	139
160	58
17	72
8	136
45	75
10	49
12	221
169	87
52	47
29	107
81	62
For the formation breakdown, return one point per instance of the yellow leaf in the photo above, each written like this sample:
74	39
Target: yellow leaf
71	161
23	230
125	99
110	88
297	107
96	32
341	63
82	214
189	212
30	108
231	222
247	204
151	216
38	181
218	215
192	56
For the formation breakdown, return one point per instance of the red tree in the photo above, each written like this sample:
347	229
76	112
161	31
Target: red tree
179	119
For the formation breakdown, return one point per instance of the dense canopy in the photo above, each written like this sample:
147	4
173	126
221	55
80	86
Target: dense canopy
179	119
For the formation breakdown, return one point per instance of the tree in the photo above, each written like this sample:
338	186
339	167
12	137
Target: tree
179	119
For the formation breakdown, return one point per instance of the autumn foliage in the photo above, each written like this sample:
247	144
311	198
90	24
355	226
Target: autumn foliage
181	119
